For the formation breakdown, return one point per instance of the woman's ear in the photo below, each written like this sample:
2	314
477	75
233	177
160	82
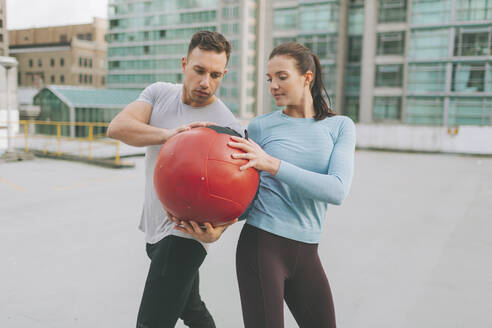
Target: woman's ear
309	76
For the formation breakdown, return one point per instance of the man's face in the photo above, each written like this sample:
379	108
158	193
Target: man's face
203	71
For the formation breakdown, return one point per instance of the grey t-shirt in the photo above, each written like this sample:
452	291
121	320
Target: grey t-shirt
168	112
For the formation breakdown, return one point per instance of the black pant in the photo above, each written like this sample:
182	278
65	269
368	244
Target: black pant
172	286
270	269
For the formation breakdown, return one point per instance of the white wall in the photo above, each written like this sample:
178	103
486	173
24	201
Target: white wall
12	101
465	139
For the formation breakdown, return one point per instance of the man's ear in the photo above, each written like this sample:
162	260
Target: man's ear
184	61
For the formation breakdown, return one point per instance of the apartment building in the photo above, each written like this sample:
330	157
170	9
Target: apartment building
62	55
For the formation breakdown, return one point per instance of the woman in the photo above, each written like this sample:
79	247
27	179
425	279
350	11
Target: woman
305	154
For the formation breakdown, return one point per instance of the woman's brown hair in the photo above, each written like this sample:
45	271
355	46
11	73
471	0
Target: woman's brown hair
307	61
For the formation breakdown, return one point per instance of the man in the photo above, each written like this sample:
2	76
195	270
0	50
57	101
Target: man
163	110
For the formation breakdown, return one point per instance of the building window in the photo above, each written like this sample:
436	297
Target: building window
62	79
103	80
468	77
90	62
63	38
354	48
428	111
285	19
469	111
80	78
62	62
114	23
146	50
386	108
431	11
467	10
40	63
30	63
162	34
80	61
88	37
423	78
352	108
472	42
389	75
318	17
429	44
1	37
392	11
85	78
80	36
52	79
52	62
90	79
391	43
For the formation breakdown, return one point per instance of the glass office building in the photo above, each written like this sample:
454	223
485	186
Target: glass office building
418	62
147	40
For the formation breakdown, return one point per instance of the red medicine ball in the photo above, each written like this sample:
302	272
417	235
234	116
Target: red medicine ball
196	178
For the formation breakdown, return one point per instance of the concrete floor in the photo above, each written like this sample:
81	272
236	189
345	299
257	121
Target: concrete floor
410	247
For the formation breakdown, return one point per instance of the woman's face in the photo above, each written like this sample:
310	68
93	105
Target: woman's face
287	85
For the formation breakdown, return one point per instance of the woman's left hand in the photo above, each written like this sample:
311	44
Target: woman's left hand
255	155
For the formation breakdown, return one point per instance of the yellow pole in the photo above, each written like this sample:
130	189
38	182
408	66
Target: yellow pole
58	136
26	147
90	141
117	157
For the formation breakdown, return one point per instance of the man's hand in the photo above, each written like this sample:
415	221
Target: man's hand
207	234
172	132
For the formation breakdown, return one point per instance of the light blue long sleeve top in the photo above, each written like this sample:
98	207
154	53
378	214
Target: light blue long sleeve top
316	169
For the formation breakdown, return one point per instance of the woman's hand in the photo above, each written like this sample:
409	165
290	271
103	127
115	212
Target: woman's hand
255	155
207	234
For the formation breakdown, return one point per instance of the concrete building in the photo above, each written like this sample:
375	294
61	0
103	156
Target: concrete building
147	40
415	68
64	55
4	48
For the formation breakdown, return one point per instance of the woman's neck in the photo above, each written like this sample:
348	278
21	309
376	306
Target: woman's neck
304	110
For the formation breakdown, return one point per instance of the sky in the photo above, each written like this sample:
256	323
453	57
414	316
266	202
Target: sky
36	13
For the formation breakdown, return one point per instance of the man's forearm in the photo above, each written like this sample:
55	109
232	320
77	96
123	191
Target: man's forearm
135	133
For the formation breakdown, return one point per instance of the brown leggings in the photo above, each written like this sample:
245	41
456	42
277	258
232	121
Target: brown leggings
270	269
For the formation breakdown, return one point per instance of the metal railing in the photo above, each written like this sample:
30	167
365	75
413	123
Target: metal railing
62	139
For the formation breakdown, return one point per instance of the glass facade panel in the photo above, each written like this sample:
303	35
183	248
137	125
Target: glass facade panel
426	44
469	77
391	43
426	78
317	17
352	79
386	108
355	48
472	42
356	20
352	108
469	111
389	75
323	45
425	111
392	11
470	10
285	19
431	11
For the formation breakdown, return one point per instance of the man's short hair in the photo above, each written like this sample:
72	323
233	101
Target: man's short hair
212	41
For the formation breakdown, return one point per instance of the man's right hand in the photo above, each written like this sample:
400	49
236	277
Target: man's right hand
169	133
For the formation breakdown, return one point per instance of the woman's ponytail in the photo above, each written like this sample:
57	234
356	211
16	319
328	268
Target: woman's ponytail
307	61
321	108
